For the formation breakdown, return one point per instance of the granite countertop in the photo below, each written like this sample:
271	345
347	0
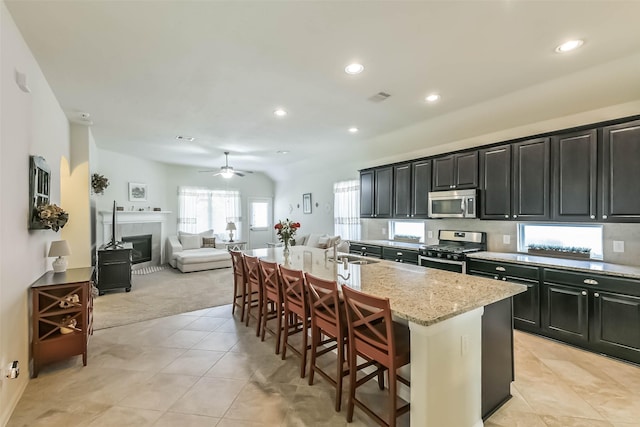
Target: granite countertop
421	295
565	264
392	244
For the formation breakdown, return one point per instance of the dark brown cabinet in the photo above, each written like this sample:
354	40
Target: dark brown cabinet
565	313
364	249
421	185
455	171
575	172
615	323
620	172
402	191
495	182
114	267
400	255
376	193
530	190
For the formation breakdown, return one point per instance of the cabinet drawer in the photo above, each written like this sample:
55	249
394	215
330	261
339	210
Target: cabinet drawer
400	255
504	269
593	281
110	256
366	250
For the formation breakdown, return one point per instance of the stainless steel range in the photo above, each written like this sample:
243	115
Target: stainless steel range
450	252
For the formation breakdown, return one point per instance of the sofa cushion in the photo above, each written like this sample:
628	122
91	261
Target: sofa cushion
323	242
195	256
208	242
191	242
208	233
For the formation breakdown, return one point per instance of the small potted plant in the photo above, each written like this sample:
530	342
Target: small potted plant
51	216
559	251
99	183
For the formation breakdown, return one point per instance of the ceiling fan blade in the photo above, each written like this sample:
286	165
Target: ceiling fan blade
210	170
238	173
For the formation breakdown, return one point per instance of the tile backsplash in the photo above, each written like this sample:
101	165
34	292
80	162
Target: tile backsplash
376	229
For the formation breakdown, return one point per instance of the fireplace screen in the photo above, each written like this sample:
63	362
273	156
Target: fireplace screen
141	248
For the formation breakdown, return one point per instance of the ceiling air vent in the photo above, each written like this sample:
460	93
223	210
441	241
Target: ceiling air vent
379	97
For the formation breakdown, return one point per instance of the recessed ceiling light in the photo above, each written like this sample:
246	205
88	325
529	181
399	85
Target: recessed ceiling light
185	138
280	112
569	46
282	152
353	129
354	68
433	97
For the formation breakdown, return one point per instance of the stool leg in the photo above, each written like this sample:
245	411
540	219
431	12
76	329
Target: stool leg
393	392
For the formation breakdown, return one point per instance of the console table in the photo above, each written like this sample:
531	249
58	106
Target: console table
235	245
114	267
62	316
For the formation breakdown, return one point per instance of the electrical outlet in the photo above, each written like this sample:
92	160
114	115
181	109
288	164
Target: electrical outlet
384	230
430	234
506	239
618	246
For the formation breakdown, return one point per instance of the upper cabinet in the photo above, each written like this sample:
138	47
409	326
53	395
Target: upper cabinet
495	182
530	190
621	172
421	185
575	171
402	190
455	171
376	192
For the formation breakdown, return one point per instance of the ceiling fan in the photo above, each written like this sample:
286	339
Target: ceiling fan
227	171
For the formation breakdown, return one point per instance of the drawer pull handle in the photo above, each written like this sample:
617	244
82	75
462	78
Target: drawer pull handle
584	292
596	295
590	282
399	253
501	269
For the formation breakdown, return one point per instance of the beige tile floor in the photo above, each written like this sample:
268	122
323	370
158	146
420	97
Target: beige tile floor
206	369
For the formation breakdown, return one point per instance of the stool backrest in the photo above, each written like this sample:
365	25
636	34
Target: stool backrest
238	265
324	300
270	277
252	271
293	290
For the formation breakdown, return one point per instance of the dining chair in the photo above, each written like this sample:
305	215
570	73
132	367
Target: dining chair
239	283
272	305
382	343
254	290
296	313
328	319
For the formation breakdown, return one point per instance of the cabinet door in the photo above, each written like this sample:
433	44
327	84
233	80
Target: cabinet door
575	171
366	194
402	191
443	168
565	313
526	306
620	172
530	192
466	170
615	327
383	192
495	183
421	185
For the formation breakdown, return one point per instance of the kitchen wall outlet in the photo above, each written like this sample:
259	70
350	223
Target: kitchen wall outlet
384	230
618	246
430	234
506	239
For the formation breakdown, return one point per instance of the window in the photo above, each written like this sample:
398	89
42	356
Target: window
346	209
406	230
203	209
555	235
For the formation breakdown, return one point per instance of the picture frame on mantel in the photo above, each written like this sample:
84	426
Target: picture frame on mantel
137	192
306	203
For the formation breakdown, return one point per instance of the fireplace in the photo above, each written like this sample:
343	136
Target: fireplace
141	248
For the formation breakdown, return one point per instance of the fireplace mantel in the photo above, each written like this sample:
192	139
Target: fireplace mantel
134	217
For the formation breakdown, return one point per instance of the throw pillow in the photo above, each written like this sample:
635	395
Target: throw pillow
323	242
191	242
208	242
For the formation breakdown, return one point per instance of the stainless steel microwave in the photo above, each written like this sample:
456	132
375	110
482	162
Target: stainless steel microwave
453	204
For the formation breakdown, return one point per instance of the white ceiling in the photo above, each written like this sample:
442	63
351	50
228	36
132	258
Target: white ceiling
147	71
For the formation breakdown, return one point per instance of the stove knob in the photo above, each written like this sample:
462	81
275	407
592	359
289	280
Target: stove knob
439	255
449	256
456	257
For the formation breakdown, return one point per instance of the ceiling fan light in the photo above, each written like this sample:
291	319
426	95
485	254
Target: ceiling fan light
226	174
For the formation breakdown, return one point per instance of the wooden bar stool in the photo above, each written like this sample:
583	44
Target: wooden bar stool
296	313
239	284
272	305
328	318
375	337
254	290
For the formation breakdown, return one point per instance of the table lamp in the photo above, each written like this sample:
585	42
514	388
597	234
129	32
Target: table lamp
231	226
59	248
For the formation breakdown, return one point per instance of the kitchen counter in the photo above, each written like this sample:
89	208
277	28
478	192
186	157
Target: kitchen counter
391	244
444	311
565	264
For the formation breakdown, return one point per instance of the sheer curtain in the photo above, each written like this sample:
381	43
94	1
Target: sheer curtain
202	209
346	209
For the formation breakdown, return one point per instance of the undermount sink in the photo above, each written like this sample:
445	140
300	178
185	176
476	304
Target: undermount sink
354	260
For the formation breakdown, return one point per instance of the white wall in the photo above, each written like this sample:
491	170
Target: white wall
31	124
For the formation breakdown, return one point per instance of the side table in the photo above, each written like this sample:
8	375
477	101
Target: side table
235	245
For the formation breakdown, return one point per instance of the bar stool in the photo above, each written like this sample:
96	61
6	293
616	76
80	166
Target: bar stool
375	337
254	290
271	297
296	313
328	318
239	283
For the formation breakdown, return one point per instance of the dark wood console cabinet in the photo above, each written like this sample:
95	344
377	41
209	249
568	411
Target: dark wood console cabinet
114	267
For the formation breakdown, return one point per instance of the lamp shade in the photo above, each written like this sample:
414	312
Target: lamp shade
231	226
59	248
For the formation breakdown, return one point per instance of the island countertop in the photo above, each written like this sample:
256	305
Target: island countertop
421	295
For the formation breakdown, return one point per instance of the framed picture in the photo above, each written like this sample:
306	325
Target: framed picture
137	192
306	203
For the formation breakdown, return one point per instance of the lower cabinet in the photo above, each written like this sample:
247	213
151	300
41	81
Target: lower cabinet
400	255
565	313
114	268
365	249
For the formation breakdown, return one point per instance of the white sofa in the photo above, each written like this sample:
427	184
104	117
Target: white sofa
322	241
189	252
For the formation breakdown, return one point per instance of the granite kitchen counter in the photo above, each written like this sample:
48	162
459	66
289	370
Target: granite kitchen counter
422	295
391	244
627	271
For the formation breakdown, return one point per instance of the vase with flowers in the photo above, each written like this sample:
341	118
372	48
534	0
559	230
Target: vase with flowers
51	216
286	230
99	183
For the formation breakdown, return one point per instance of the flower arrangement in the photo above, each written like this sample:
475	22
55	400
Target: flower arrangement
99	183
51	216
286	230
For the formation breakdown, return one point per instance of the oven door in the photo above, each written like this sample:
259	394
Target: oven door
443	264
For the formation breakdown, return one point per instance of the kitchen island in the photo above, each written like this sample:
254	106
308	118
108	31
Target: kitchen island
444	312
